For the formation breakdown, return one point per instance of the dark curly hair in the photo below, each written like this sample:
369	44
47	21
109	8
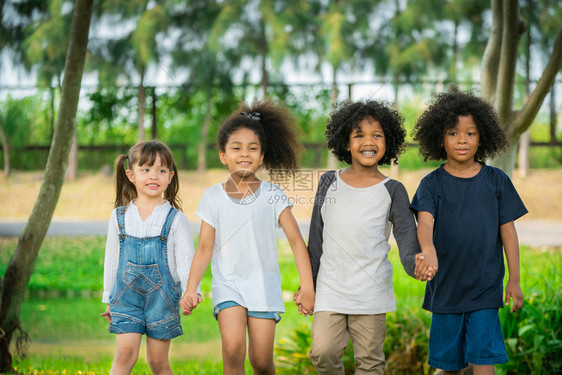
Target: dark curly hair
276	129
346	117
443	113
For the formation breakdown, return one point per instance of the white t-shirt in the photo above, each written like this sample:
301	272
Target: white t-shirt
180	242
355	275
244	263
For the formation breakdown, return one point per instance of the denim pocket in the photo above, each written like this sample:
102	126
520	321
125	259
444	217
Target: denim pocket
142	279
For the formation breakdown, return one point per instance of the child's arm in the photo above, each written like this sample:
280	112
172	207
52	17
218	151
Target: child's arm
199	265
111	262
403	226
510	242
428	264
106	314
181	243
306	295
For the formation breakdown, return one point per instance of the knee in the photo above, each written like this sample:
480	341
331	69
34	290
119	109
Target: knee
126	355
325	353
233	353
159	364
262	364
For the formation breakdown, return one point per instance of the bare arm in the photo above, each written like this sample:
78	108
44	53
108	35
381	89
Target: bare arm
302	260
510	242
426	263
199	265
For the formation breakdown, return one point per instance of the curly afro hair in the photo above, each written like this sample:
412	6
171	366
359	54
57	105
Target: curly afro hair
443	113
276	129
346	117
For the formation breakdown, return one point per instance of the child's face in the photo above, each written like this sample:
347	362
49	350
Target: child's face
367	143
461	142
150	181
242	153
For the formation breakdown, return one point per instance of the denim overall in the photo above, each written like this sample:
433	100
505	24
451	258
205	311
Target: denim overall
145	298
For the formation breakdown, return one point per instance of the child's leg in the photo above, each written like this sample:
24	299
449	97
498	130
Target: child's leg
157	356
452	372
330	337
367	334
126	353
483	370
232	326
261	335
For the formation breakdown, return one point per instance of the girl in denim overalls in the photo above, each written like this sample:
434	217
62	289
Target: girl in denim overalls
147	259
238	230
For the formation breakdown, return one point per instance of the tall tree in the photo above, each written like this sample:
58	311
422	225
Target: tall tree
13	29
22	263
260	31
208	72
408	44
46	45
132	53
499	73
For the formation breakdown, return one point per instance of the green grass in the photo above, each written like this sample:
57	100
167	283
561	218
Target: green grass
64	304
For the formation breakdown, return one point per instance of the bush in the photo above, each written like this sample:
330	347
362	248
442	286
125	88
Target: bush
533	335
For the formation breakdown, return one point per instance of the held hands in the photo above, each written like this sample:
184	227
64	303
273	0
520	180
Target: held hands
513	291
189	301
426	266
106	314
305	301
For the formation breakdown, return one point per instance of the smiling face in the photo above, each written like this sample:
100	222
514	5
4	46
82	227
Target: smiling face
151	181
242	153
461	142
367	143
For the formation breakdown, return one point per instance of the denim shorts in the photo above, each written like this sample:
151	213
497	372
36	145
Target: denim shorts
455	340
255	314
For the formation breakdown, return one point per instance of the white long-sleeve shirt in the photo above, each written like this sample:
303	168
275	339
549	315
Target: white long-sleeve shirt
180	242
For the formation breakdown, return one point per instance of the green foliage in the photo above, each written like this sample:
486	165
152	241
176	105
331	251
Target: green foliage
291	354
18	119
533	335
73	267
59	365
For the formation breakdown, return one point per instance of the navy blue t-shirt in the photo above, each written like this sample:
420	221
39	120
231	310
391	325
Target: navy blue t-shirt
468	213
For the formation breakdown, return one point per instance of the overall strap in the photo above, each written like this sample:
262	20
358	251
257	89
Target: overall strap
169	219
121	218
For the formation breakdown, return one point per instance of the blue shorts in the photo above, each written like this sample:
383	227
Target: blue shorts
255	314
455	340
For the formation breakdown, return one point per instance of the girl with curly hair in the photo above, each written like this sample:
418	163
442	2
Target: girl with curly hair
355	209
466	211
238	231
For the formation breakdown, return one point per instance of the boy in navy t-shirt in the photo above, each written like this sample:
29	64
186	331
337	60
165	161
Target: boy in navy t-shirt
466	212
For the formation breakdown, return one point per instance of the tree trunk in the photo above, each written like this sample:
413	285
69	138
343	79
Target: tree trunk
52	117
22	263
5	150
506	160
202	152
525	140
332	162
453	67
264	54
72	169
524	146
141	106
154	127
498	76
553	117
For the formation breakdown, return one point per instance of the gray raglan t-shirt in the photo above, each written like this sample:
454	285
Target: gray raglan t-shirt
349	246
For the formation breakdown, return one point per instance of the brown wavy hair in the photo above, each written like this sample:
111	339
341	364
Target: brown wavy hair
145	153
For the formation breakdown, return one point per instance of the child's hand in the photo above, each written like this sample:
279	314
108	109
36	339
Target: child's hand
513	291
424	269
305	301
188	302
106	314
